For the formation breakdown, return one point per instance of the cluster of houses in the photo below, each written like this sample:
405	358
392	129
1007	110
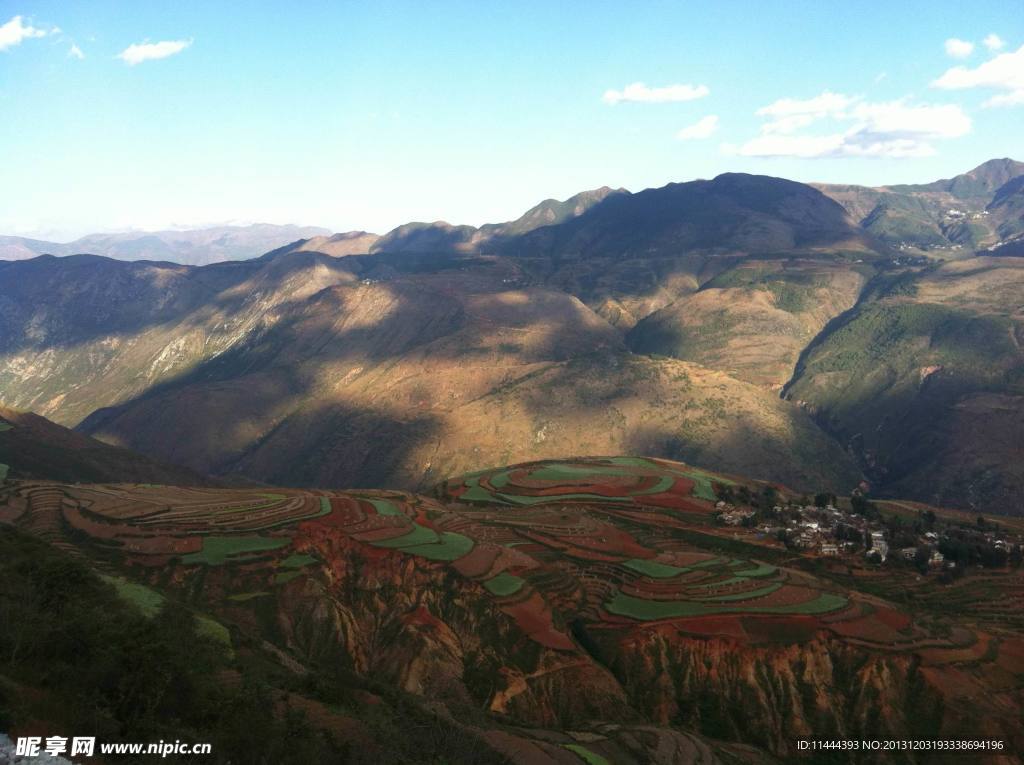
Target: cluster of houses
956	214
831	532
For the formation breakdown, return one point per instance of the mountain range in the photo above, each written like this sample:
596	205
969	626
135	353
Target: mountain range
197	247
745	323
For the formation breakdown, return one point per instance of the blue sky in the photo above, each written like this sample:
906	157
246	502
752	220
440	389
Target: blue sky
367	115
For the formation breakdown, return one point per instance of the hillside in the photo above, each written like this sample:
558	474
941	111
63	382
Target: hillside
32	447
553	612
952	213
753	321
925	383
440	236
382	384
666	321
227	368
338	245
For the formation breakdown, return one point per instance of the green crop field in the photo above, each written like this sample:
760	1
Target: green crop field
385	507
217	550
286	576
504	584
242	597
298	560
449	546
763	569
418	535
651	610
758	593
586	755
653	569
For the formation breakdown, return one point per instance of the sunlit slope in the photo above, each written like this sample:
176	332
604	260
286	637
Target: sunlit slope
385	384
754	320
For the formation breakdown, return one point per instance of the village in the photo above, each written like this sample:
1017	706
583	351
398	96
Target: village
823	527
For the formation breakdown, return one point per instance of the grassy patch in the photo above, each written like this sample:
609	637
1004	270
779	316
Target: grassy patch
217	632
143	598
149	602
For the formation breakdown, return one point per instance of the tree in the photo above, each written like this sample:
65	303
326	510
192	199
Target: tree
922	555
862	506
993	557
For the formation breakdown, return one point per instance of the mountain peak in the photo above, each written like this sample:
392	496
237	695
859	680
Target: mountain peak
977	185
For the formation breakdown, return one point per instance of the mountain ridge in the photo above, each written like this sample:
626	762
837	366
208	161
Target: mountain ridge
664	322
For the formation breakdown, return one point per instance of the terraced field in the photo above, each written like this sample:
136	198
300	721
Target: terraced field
595	540
624	480
547	565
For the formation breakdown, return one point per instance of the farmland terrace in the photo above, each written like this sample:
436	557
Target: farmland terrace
519	586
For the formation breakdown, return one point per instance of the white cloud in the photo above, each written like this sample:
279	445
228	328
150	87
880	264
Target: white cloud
702	128
959	48
1016	98
790	114
1005	72
14	31
139	52
787	125
993	42
792	146
858	128
900	119
640	93
75	52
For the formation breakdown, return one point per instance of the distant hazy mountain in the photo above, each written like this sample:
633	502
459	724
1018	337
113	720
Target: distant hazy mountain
196	247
